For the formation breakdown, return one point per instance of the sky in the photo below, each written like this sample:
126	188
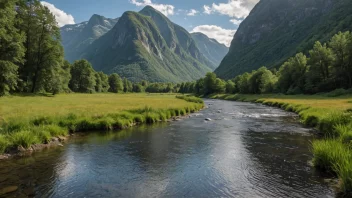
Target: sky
218	19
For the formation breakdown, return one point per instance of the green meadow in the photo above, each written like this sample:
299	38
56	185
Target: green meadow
27	119
332	116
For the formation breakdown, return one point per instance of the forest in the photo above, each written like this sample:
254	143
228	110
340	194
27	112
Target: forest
326	68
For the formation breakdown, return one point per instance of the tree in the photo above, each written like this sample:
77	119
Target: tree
102	82
242	83
83	77
65	74
219	86
199	87
262	81
116	84
44	52
137	88
230	87
127	85
320	63
11	47
341	45
209	83
292	74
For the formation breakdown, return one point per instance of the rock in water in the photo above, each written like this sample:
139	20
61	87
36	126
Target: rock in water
208	119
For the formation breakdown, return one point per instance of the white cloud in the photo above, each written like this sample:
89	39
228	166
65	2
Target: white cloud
207	9
233	8
224	36
236	21
61	17
192	12
163	8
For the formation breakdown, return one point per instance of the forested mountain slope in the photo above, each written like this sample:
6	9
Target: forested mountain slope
148	46
277	29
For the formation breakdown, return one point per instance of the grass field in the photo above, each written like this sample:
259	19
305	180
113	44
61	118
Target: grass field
332	116
20	107
28	120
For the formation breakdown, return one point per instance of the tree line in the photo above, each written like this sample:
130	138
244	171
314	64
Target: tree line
325	68
32	57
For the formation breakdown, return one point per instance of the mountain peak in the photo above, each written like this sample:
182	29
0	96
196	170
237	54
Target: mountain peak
150	11
96	20
148	7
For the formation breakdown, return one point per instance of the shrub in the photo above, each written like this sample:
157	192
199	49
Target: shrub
337	92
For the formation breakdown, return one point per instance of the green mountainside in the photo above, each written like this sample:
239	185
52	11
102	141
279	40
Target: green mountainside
277	29
210	48
76	38
148	46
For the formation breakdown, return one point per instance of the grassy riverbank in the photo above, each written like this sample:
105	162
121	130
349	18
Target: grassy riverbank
29	120
331	115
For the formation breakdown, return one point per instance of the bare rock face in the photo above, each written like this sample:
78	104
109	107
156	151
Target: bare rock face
75	38
277	29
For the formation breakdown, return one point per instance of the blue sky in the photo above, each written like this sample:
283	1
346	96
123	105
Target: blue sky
218	19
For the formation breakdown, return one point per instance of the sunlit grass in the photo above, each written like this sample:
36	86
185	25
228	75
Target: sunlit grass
37	119
82	104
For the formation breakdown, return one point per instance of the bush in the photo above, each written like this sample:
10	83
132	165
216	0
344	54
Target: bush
337	92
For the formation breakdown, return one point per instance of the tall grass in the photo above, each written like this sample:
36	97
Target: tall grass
332	116
41	128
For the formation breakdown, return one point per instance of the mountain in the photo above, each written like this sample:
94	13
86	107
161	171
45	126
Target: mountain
76	38
277	29
210	48
148	46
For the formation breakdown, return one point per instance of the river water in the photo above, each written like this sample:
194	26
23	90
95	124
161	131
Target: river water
246	150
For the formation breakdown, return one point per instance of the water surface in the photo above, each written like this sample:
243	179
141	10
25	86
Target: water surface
247	150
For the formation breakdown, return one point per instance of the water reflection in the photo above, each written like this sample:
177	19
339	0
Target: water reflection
248	150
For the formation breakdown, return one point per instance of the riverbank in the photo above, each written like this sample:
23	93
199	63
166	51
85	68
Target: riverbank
330	115
29	123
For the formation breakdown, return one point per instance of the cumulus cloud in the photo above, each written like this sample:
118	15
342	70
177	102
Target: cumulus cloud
163	8
192	12
224	36
61	17
236	21
233	8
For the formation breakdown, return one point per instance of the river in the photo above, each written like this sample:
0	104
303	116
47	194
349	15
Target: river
246	150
